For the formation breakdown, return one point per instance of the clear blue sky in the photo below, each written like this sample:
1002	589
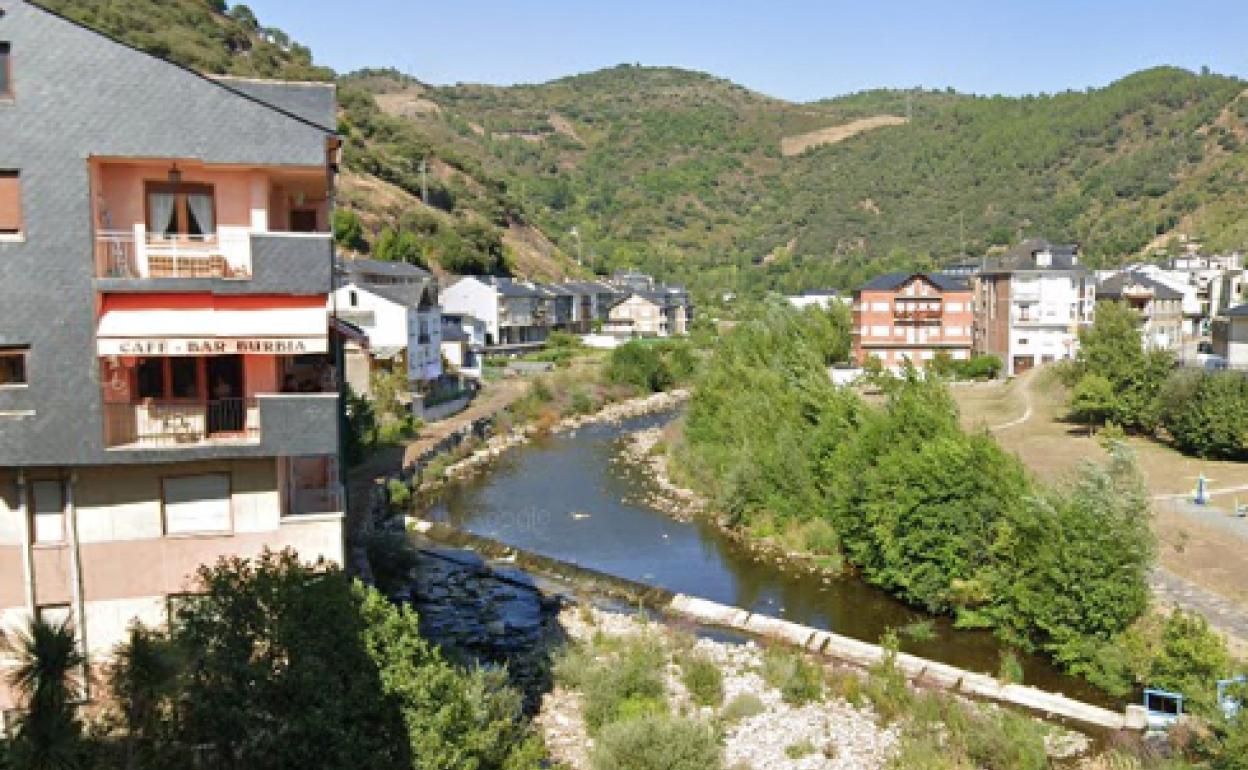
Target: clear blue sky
794	49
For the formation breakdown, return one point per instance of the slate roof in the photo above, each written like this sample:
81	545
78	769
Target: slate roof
1239	311
313	102
508	287
1113	286
1023	257
407	295
380	267
893	281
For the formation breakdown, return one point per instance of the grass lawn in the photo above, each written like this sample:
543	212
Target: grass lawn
1201	546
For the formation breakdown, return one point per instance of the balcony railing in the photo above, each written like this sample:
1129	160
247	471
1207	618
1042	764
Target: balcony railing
903	313
136	255
155	423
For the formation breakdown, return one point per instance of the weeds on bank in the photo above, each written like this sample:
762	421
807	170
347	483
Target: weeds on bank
703	679
798	679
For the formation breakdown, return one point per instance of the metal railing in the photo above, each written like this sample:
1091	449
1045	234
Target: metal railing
168	423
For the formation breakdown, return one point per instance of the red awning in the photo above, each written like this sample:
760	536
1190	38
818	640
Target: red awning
207	324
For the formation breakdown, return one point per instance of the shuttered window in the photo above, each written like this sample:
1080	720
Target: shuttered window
197	504
10	203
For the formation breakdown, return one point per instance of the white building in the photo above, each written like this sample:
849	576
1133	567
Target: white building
1031	303
820	298
513	312
463	343
396	306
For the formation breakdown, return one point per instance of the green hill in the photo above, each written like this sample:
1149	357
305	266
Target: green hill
704	181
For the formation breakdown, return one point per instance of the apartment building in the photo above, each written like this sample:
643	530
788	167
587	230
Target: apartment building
1159	306
1030	304
899	317
1230	338
396	306
664	311
165	264
515	313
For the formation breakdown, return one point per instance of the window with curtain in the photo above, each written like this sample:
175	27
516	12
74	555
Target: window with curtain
181	210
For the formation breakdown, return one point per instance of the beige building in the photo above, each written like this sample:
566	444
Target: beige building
663	312
1230	337
1160	307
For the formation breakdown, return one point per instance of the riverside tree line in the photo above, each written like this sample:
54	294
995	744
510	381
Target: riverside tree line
940	517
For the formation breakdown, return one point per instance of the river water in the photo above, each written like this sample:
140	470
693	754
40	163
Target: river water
575	498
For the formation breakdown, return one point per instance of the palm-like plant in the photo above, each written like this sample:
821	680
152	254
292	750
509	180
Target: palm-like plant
48	678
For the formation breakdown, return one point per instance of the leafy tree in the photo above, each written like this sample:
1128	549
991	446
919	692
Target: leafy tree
46	676
1079	561
1093	399
348	231
275	673
1112	349
143	680
1207	413
399	246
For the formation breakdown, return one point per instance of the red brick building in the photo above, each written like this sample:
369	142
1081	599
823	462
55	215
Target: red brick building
912	316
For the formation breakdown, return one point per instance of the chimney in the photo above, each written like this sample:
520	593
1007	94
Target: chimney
1044	258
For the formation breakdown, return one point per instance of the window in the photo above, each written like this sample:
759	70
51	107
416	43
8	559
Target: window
10	203
13	366
176	210
48	504
6	72
197	504
173	377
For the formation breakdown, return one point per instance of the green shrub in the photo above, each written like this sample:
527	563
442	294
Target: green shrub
798	680
657	743
846	685
626	685
639	365
703	679
886	688
742	706
800	749
399	493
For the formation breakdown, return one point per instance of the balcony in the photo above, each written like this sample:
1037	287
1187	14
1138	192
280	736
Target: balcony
915	314
267	424
234	260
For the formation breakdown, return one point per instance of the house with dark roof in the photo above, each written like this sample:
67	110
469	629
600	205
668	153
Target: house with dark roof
396	306
900	317
820	298
515	313
168	388
1030	303
663	311
1159	306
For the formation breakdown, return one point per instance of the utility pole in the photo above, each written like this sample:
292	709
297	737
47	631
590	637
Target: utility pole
575	233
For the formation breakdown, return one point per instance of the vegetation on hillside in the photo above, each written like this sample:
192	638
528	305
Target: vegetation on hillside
205	35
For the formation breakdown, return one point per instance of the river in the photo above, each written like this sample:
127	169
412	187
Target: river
575	498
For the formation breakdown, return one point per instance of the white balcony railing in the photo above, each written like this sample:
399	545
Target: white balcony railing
135	254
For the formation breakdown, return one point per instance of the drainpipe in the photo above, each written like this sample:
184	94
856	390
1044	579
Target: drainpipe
75	578
339	356
28	565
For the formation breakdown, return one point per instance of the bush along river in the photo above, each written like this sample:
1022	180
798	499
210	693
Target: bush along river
577	497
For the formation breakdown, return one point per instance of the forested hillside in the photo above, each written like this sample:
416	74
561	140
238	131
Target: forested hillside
691	176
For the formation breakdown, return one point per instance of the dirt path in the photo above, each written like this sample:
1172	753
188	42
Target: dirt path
1024	389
